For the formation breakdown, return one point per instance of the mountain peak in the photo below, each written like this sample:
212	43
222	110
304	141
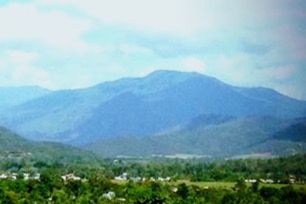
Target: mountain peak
171	73
155	81
168	77
178	76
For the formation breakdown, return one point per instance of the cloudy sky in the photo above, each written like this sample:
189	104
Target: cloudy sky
75	43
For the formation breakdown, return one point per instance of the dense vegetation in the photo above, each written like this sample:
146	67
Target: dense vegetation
97	189
96	182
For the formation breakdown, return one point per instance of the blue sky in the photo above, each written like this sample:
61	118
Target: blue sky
75	43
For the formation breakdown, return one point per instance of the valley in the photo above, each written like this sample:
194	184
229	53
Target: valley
169	137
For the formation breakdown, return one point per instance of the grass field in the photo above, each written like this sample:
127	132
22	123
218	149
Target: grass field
228	185
221	184
218	184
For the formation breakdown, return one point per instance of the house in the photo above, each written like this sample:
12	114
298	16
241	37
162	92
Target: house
136	179
36	176
13	176
250	180
292	179
26	176
70	177
110	195
266	180
122	177
167	179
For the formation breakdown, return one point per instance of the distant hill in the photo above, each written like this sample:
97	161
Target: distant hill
294	132
219	138
11	143
158	103
12	96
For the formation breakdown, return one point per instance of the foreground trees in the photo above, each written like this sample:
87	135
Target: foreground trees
51	189
95	185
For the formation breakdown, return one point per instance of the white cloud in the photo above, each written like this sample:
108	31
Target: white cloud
179	16
25	22
128	48
240	70
18	68
278	73
21	57
165	16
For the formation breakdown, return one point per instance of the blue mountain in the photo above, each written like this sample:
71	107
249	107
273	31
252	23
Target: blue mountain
161	102
12	96
213	136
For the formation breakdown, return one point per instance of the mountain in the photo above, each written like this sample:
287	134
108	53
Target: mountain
296	131
11	143
12	96
162	102
218	137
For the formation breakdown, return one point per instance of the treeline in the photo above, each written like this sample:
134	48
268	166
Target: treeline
99	189
280	170
96	184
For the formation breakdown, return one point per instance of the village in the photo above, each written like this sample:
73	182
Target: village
124	177
25	176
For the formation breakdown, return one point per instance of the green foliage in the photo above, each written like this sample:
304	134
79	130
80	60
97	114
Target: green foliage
240	186
17	152
53	190
96	181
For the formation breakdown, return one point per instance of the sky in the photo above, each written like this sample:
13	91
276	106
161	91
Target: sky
65	44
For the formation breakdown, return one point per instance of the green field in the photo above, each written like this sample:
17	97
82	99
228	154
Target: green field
228	185
216	184
222	184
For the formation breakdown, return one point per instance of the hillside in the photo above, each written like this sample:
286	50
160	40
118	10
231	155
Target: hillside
10	143
160	102
222	137
294	132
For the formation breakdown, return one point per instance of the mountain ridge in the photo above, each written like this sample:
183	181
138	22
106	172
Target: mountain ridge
160	102
11	96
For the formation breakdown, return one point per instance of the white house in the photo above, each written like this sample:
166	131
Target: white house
70	177
110	195
250	180
122	177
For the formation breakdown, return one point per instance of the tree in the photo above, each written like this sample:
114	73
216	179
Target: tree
183	190
240	186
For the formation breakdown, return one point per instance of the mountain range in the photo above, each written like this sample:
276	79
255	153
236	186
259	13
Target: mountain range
166	112
13	96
